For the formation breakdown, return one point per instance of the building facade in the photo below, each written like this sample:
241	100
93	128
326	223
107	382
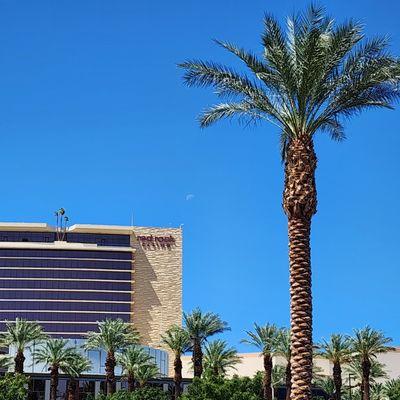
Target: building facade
69	279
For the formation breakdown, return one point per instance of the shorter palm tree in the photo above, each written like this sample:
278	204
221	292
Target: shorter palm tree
112	335
146	372
283	349
56	355
21	334
265	339
74	369
366	344
337	351
200	327
5	362
130	360
377	371
219	358
177	340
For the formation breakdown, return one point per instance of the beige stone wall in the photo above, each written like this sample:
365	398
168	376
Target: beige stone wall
157	297
253	362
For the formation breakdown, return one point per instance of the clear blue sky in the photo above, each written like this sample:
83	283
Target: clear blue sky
94	118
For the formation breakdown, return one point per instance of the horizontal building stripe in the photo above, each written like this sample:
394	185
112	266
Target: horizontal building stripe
66	280
56	322
65	312
68	301
68	290
68	259
66	269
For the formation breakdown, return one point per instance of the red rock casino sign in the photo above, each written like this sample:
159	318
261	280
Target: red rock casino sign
150	242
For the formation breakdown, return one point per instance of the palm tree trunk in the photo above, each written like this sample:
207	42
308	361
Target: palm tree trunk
71	389
19	362
288	381
110	372
300	204
337	380
365	386
177	377
53	382
131	382
197	359
267	381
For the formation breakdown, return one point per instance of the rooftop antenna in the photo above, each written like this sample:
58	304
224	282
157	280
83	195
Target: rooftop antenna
132	219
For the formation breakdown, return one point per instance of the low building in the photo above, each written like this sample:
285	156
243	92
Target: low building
251	363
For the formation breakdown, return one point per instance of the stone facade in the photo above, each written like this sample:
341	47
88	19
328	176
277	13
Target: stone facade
157	297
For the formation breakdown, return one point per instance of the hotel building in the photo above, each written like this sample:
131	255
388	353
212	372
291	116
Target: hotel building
70	279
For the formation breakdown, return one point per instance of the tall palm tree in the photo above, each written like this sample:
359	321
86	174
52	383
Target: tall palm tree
201	326
366	344
337	351
283	349
178	341
130	360
219	358
145	372
56	355
112	335
265	339
308	80
21	334
74	369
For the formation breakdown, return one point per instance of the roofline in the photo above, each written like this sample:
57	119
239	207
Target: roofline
76	228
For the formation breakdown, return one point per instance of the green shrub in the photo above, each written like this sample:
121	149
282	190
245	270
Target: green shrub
146	393
225	389
13	387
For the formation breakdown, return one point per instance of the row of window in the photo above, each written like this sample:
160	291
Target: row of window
64	306
70	285
70	263
58	295
60	316
99	239
117	255
61	274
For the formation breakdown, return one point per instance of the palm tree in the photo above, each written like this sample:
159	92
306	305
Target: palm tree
283	350
265	339
178	341
308	80
201	326
327	384
219	358
366	344
130	360
145	372
21	334
55	354
74	369
337	351
5	362
112	335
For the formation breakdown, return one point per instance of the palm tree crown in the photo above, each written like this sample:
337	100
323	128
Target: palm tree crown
336	350
201	325
145	372
177	339
21	334
263	337
307	80
56	352
132	357
112	335
219	358
367	343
